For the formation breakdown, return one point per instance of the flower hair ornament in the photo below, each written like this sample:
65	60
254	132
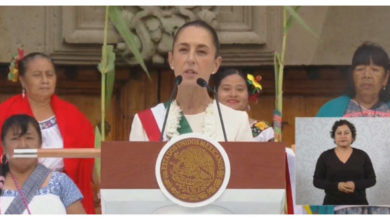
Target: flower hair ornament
254	86
14	65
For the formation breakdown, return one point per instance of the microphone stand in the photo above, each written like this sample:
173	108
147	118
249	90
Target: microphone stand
201	82
177	82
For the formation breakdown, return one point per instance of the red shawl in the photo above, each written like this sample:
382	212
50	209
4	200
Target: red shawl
76	132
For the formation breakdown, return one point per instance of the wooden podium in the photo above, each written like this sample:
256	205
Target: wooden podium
129	186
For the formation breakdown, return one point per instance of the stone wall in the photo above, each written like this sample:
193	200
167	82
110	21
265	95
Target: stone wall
341	30
249	35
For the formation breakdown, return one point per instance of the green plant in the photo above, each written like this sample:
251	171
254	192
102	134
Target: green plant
107	68
290	15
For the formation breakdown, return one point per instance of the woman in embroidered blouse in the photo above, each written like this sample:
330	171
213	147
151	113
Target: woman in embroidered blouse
235	91
62	124
344	172
195	54
368	92
27	187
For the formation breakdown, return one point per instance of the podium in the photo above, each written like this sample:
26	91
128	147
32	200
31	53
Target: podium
129	186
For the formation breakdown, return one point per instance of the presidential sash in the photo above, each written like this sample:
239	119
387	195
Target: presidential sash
152	120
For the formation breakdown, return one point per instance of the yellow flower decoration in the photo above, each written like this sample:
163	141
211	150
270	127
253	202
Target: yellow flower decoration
14	66
252	81
254	86
262	125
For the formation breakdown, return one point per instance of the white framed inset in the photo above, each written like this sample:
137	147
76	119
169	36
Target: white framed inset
312	137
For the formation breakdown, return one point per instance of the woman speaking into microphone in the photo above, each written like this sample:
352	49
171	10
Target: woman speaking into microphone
195	54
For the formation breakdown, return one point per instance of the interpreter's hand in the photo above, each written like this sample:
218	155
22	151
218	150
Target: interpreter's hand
342	187
346	187
350	185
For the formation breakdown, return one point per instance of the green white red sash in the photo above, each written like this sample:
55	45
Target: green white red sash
152	121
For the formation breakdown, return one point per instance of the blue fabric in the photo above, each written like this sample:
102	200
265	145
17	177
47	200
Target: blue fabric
59	184
68	191
335	107
322	209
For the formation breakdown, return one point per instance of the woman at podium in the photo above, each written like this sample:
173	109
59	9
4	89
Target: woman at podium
344	172
194	55
26	186
62	124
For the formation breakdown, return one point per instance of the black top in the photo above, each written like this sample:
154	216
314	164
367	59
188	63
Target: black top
330	171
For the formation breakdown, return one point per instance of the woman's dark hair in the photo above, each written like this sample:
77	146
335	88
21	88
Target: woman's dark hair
340	123
26	60
222	74
18	121
3	171
202	24
365	54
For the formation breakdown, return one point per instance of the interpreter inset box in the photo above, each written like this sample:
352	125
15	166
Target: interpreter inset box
312	137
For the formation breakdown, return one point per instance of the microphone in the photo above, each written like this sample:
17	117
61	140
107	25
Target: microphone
178	80
202	83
